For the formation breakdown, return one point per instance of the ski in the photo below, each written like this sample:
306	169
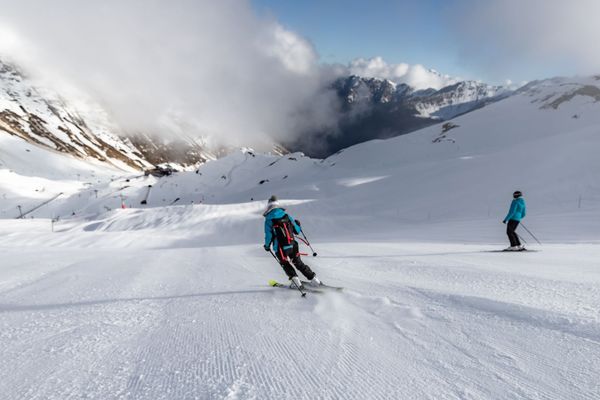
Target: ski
274	283
520	250
512	251
306	287
303	290
321	286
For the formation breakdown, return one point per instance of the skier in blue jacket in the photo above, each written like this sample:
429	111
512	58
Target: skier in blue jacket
280	228
515	214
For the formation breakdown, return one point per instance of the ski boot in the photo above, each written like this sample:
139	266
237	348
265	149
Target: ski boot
296	282
315	282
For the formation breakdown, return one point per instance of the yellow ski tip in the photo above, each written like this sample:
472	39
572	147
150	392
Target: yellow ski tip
272	283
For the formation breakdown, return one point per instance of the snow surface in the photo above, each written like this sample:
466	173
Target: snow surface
126	314
161	301
31	175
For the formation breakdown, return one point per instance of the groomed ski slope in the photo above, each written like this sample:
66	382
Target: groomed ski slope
418	320
172	302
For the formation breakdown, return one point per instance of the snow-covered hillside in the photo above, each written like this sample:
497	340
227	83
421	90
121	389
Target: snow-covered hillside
43	119
168	299
465	169
83	129
444	103
457	99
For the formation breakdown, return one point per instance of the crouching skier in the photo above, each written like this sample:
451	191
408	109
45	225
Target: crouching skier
280	228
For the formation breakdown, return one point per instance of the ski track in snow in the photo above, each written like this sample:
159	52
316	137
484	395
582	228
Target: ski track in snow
201	323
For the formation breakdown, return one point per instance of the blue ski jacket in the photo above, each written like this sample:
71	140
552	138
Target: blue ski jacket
517	210
277	213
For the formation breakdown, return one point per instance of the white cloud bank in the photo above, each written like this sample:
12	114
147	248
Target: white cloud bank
201	67
215	68
512	36
416	76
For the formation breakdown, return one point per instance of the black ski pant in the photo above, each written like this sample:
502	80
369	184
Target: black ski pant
511	226
293	254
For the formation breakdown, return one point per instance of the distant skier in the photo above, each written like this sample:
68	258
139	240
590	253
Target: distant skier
280	228
515	214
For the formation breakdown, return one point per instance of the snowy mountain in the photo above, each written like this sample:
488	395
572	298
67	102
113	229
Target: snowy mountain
375	108
371	108
444	103
481	155
560	92
43	118
169	297
456	99
531	114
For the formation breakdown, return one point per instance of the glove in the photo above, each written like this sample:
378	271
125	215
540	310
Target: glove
298	222
503	222
267	248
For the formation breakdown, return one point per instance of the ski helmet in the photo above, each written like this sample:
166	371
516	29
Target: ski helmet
517	194
272	204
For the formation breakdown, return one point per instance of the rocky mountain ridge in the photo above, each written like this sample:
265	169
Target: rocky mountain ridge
43	118
374	108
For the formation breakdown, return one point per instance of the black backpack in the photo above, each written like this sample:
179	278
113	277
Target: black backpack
283	230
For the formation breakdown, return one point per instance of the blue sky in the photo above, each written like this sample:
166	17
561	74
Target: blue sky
344	30
416	32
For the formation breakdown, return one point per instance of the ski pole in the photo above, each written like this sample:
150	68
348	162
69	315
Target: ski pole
308	244
274	256
521	238
532	235
305	240
302	292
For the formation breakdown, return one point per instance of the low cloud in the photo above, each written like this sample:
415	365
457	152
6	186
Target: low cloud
218	70
195	67
416	76
516	37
